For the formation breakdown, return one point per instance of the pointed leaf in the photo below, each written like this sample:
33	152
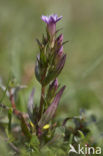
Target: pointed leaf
25	128
49	113
55	72
39	44
65	42
10	118
37	72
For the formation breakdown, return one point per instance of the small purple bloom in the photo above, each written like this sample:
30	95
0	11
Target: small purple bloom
51	19
51	23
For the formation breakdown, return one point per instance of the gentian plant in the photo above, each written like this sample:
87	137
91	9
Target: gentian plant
50	62
39	129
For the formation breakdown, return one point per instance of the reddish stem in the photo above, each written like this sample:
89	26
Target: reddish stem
15	111
12	100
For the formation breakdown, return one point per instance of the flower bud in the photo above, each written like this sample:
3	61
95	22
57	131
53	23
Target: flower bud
51	23
60	39
60	52
51	110
54	85
58	45
61	63
52	90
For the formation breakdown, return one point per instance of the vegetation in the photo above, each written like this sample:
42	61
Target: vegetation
32	122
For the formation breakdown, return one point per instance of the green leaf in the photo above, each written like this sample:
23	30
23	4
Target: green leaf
25	128
10	118
34	143
37	72
49	113
81	134
54	72
39	44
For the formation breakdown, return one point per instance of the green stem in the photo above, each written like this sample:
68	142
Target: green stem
41	101
42	96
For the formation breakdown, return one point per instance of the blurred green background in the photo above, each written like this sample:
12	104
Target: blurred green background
82	24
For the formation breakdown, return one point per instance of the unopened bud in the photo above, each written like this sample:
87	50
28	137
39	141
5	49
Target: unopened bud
54	85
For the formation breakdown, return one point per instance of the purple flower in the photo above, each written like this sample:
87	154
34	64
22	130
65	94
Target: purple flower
51	19
51	23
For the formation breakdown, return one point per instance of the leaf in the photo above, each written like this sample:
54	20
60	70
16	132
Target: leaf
37	72
30	106
5	89
52	74
39	44
10	118
49	113
58	30
34	143
81	134
25	128
60	130
44	40
65	42
65	120
43	57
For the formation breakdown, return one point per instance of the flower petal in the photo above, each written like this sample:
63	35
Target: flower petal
58	19
45	19
51	19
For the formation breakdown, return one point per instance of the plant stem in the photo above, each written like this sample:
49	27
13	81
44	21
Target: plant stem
42	95
12	100
41	101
